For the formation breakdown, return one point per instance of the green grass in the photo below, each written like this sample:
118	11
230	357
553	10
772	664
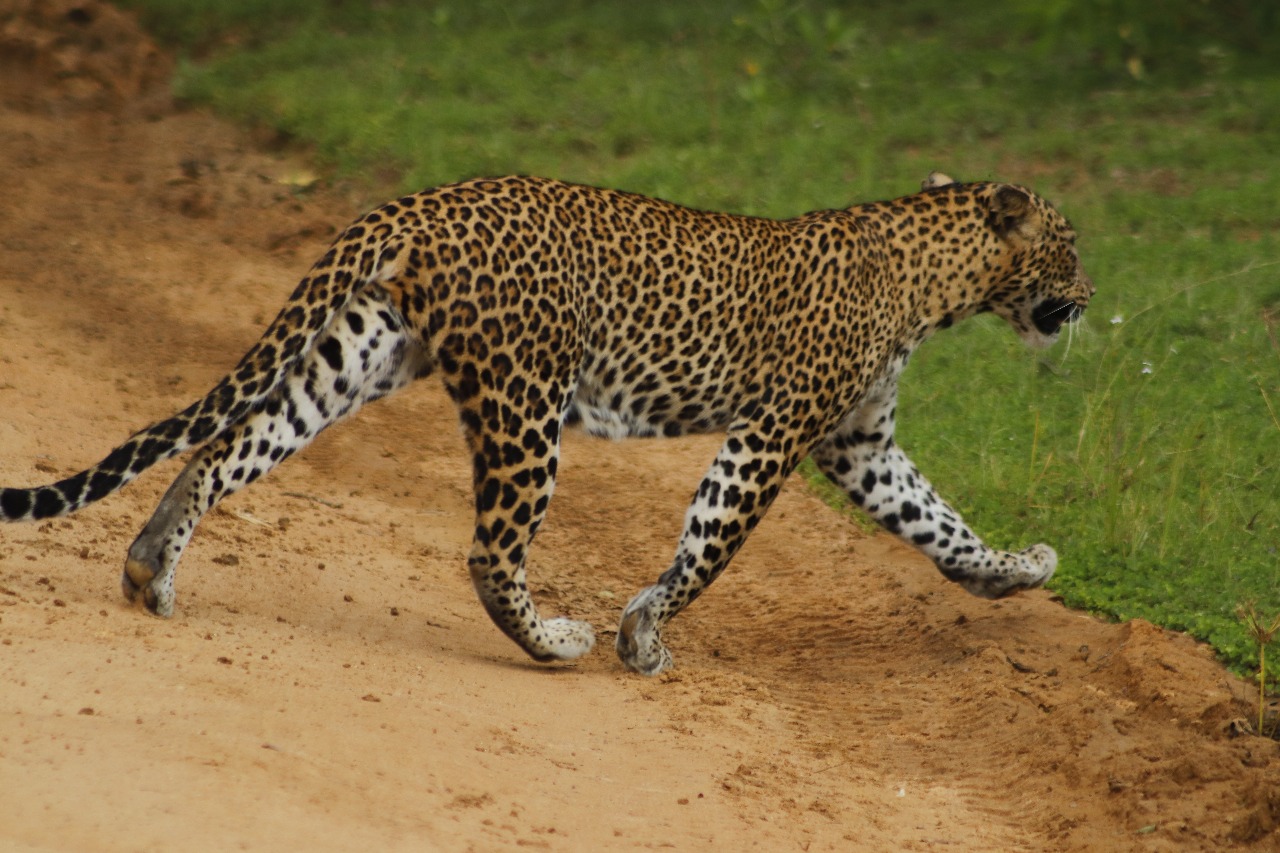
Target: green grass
1146	454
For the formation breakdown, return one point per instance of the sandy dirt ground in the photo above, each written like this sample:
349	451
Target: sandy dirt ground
329	681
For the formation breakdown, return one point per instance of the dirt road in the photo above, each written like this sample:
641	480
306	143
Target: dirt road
329	681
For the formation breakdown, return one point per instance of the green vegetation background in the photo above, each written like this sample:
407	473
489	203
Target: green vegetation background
1146	451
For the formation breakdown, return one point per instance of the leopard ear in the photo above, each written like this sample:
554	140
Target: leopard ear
935	180
1012	214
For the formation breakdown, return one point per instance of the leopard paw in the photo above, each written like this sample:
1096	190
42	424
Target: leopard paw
567	639
1027	569
155	586
639	644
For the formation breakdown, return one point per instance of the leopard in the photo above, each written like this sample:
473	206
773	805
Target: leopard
544	305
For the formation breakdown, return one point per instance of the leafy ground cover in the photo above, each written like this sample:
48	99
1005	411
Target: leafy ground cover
1145	451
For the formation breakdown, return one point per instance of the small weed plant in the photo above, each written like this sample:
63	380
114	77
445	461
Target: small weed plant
1262	633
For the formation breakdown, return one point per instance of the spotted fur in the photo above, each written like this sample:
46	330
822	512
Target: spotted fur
542	304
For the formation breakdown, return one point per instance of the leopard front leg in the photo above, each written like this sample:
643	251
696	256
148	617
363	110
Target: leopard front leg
734	495
862	458
515	455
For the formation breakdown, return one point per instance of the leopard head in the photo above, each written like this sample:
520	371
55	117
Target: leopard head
1043	286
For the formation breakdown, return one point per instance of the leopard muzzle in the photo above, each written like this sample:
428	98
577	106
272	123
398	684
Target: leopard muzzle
1050	314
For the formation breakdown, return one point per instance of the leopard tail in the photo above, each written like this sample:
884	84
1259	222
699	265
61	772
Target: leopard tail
328	287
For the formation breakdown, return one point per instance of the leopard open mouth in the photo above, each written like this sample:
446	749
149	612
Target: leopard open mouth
1050	314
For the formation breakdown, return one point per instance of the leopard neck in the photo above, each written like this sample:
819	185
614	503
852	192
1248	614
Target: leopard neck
943	258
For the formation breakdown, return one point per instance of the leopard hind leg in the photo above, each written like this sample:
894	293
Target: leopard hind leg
367	353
